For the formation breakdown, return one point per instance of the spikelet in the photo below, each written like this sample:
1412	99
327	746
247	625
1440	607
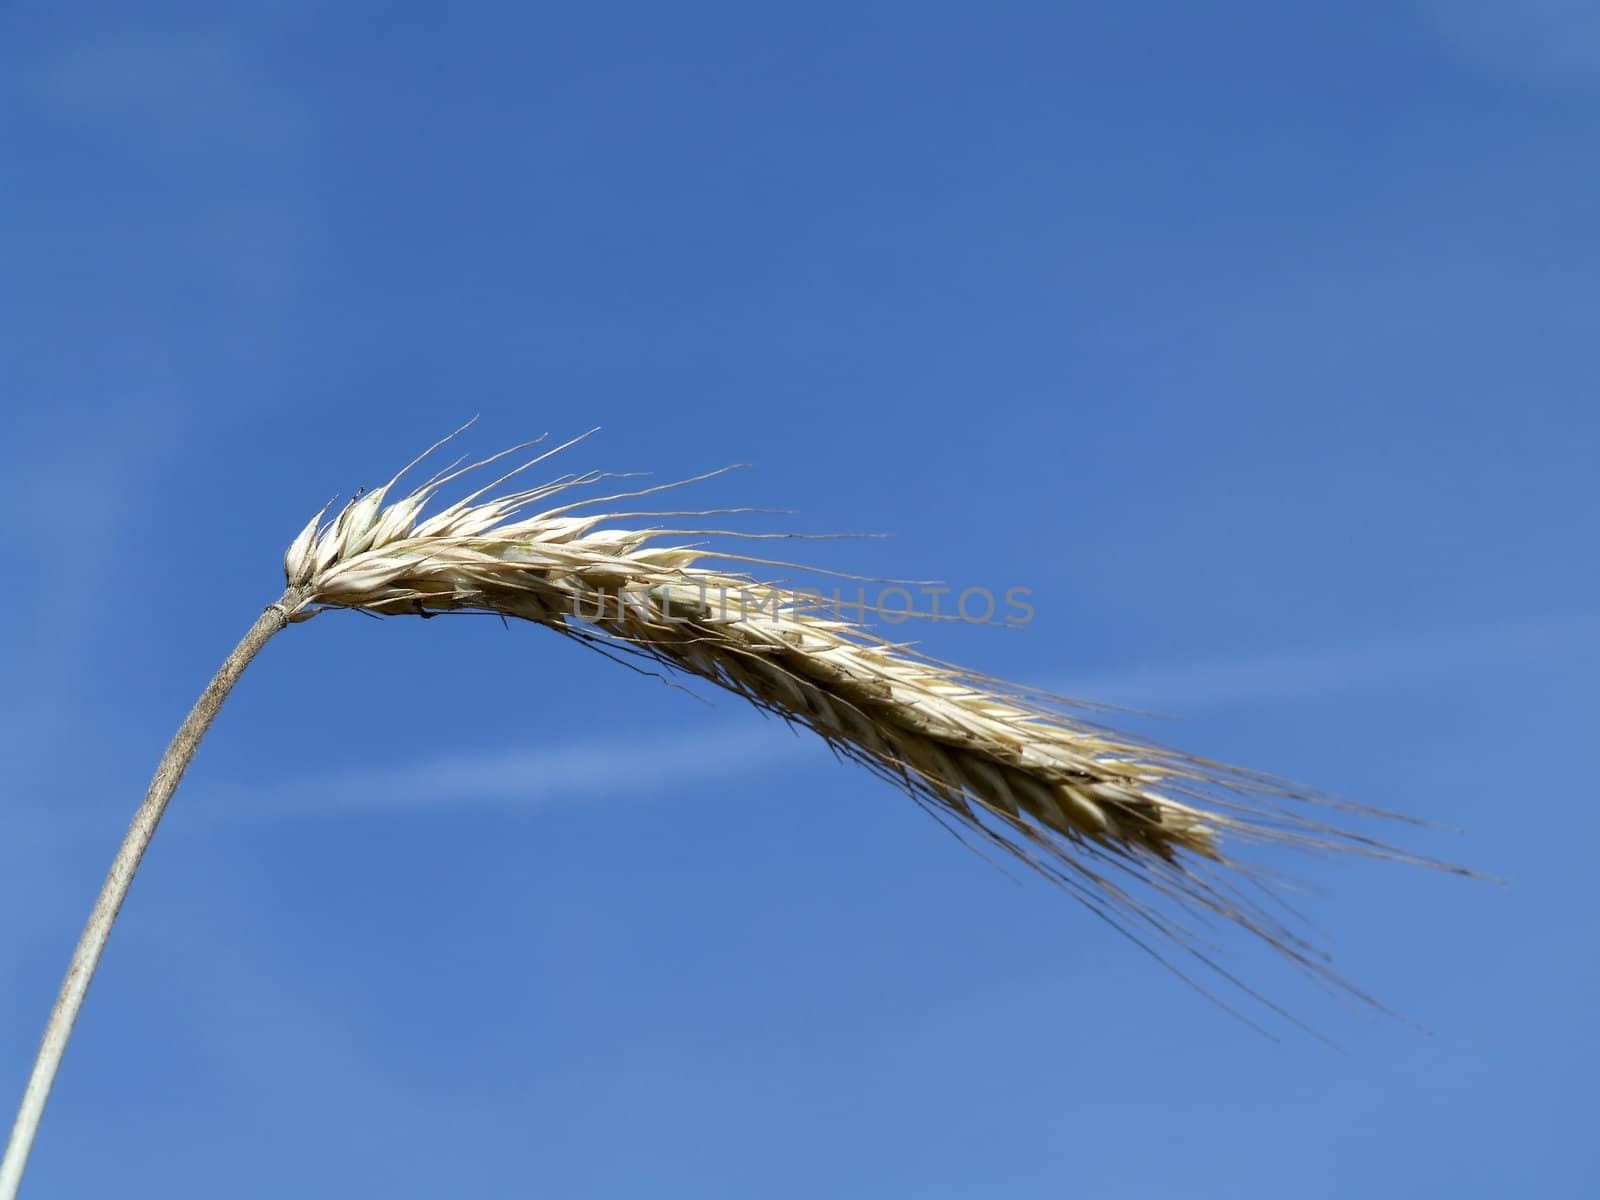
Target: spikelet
1143	835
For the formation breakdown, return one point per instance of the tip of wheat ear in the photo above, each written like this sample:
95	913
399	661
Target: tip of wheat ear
1145	836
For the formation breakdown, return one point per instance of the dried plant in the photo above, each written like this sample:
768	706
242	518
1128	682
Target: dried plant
1147	837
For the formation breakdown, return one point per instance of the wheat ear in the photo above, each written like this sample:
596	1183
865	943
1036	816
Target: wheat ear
1140	833
1143	835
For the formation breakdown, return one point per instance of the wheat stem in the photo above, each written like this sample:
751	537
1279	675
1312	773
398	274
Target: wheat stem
115	889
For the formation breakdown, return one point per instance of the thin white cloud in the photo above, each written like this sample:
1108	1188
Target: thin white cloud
520	777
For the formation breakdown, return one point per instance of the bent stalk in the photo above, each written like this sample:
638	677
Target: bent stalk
115	889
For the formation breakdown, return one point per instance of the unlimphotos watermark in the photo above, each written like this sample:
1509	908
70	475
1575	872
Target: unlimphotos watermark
692	600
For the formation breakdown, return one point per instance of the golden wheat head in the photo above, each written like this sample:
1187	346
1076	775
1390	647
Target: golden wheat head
1146	836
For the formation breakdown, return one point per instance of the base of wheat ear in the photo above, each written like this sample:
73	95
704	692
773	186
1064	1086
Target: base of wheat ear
1145	836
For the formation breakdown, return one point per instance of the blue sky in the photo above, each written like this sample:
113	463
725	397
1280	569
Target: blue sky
1258	342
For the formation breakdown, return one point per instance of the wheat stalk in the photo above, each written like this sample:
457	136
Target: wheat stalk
1145	836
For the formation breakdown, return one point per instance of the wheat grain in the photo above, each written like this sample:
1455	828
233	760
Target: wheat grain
1140	833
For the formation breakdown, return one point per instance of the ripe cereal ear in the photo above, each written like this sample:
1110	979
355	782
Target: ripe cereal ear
1148	837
